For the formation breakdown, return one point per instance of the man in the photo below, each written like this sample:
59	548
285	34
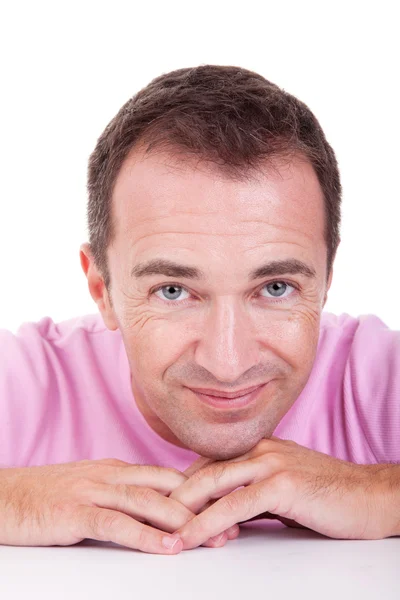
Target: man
211	389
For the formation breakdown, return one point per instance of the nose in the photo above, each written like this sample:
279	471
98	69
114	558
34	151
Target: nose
228	346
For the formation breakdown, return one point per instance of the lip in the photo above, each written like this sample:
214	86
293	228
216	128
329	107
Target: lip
229	395
229	403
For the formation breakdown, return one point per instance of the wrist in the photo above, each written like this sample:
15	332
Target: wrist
386	501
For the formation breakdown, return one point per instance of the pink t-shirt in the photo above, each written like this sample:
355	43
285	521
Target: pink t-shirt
65	395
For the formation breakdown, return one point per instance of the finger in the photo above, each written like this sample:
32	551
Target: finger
215	481
161	479
254	452
143	504
198	464
234	508
217	541
264	446
147	505
233	532
110	526
221	539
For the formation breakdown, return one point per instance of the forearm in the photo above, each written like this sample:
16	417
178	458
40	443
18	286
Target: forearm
386	505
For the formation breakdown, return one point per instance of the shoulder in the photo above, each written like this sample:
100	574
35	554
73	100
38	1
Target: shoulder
343	324
48	332
354	333
47	329
38	347
369	349
370	353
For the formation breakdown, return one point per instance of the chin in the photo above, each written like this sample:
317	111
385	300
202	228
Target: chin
220	448
223	440
222	454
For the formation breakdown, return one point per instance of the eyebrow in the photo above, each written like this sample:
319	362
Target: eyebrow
168	268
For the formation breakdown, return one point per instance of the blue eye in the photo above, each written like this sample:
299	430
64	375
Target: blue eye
277	288
170	292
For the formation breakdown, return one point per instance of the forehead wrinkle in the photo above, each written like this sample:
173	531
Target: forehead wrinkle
220	216
274	243
284	227
153	233
177	213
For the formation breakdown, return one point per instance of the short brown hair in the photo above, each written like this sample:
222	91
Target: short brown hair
230	116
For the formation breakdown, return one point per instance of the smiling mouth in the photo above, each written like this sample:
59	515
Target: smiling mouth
232	401
227	395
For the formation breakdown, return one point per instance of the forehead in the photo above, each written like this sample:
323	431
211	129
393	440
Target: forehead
159	200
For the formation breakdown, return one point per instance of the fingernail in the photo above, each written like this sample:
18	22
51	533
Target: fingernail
218	538
170	542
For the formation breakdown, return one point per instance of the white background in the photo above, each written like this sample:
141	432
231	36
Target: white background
67	67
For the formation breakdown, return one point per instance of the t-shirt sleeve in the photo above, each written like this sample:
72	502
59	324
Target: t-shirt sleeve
372	387
25	392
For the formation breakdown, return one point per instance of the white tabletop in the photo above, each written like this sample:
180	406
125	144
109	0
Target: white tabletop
266	561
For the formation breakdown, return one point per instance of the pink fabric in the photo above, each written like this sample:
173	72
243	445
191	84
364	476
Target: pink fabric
65	395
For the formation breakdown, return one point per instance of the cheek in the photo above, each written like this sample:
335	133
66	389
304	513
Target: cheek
296	339
153	342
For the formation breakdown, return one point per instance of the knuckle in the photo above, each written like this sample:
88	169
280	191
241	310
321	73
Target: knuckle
126	492
62	509
255	499
217	471
174	471
178	512
81	484
290	443
164	474
100	523
145	496
142	538
177	474
263	445
83	491
275	461
229	504
198	475
212	472
284	481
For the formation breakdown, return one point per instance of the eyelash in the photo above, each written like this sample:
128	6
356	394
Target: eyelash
182	302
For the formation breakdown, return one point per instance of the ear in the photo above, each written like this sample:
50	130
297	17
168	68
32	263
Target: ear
97	287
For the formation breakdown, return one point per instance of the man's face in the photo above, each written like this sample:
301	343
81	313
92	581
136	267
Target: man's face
223	331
